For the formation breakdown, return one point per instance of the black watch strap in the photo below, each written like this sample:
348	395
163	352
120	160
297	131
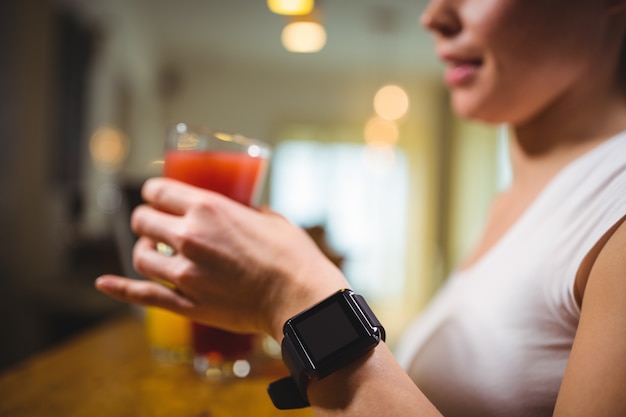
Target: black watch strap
285	394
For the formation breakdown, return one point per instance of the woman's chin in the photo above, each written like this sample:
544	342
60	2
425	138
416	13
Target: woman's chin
468	106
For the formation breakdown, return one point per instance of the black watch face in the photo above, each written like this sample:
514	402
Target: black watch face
331	333
326	331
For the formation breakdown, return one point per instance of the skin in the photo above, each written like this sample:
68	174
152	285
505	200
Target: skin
531	64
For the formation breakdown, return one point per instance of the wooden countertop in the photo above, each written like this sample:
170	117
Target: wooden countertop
109	372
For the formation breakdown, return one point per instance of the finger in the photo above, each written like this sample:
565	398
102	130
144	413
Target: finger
151	263
155	224
172	196
145	293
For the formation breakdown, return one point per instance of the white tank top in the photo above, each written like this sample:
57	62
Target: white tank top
496	339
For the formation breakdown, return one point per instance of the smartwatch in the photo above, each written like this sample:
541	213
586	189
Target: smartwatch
322	340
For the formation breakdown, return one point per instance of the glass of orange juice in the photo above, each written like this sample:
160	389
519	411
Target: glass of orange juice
235	166
169	336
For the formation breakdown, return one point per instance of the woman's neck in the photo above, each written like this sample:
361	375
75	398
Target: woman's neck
539	150
567	129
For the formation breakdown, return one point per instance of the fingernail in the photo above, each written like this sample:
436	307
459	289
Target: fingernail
104	283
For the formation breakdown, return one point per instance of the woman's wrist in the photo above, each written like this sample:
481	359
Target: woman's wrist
312	288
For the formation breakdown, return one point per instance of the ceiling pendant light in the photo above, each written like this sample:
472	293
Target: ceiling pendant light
291	7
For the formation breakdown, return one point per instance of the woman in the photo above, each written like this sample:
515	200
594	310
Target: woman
533	322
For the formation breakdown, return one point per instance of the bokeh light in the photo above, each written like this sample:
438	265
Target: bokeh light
291	7
391	102
108	147
379	131
303	37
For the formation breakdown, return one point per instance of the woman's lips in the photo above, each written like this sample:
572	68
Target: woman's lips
461	72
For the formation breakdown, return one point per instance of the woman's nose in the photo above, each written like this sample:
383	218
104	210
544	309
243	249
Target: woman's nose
441	18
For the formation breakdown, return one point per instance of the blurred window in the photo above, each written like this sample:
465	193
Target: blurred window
359	194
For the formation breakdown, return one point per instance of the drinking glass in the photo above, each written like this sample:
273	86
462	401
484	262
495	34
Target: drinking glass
235	166
169	336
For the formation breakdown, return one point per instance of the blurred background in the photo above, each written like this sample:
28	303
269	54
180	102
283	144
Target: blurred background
388	181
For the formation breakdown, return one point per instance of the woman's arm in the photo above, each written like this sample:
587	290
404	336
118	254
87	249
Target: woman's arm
247	270
595	378
373	386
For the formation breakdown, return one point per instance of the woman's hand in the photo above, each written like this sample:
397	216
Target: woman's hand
233	266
